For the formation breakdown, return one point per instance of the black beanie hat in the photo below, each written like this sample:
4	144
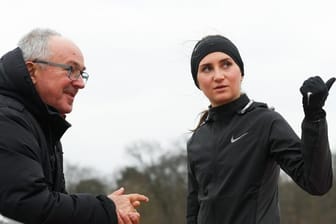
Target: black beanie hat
210	44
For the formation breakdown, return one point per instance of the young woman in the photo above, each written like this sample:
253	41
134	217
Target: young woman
237	149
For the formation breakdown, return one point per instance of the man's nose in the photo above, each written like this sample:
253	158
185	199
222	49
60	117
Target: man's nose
79	83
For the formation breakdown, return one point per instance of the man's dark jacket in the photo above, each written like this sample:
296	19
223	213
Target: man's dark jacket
32	186
234	161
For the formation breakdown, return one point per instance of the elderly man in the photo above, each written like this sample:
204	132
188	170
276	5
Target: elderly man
38	83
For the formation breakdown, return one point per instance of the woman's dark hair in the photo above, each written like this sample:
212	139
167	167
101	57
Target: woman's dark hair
203	116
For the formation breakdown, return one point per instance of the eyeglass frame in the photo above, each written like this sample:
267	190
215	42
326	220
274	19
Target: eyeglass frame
84	75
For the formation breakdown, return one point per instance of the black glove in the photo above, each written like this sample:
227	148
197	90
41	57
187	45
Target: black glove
315	92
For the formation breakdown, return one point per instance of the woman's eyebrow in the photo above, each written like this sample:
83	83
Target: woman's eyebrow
206	63
225	59
221	60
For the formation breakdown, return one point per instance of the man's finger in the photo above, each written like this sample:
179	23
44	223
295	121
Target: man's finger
135	217
120	191
137	197
120	221
124	218
136	203
330	82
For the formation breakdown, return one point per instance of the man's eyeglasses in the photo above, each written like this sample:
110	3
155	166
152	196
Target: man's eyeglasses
72	74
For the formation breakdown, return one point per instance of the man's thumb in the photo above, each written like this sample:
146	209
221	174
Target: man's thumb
120	191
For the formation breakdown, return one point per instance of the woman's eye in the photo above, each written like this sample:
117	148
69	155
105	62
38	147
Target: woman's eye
226	64
206	69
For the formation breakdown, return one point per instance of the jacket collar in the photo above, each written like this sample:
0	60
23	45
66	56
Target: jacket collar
15	82
226	111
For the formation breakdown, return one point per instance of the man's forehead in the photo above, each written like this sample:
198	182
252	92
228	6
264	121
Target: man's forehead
64	49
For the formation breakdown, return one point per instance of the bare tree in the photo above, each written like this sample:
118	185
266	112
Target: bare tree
160	176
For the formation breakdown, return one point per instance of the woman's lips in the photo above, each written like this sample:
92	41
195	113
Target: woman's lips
221	87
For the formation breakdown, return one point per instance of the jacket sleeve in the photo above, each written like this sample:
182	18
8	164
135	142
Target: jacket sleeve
192	198
307	161
24	193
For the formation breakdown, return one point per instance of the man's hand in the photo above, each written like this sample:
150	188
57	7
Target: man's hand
126	204
315	92
130	218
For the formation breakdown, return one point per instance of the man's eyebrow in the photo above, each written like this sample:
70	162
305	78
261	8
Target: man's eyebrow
77	65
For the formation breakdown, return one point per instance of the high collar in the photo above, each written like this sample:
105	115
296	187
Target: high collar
15	82
226	111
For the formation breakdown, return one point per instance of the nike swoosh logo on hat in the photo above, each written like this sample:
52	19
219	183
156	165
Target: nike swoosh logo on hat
236	139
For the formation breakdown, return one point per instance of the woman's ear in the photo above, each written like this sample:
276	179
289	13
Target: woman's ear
31	69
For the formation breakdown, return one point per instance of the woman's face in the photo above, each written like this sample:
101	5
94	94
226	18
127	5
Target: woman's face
219	78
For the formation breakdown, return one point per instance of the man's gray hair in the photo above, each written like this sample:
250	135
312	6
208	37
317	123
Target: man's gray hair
34	45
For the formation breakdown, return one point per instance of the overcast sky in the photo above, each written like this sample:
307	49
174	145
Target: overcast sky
138	51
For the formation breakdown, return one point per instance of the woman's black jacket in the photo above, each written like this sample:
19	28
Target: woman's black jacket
234	160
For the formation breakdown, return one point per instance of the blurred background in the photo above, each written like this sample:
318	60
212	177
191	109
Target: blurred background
132	121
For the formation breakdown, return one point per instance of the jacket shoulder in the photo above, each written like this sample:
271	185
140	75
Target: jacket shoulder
255	105
12	110
262	105
261	110
14	117
9	102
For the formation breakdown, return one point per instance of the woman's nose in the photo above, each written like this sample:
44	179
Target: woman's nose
219	74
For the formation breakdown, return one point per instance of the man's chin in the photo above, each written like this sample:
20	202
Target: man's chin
66	110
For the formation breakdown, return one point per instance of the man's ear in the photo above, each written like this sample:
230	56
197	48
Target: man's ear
31	69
